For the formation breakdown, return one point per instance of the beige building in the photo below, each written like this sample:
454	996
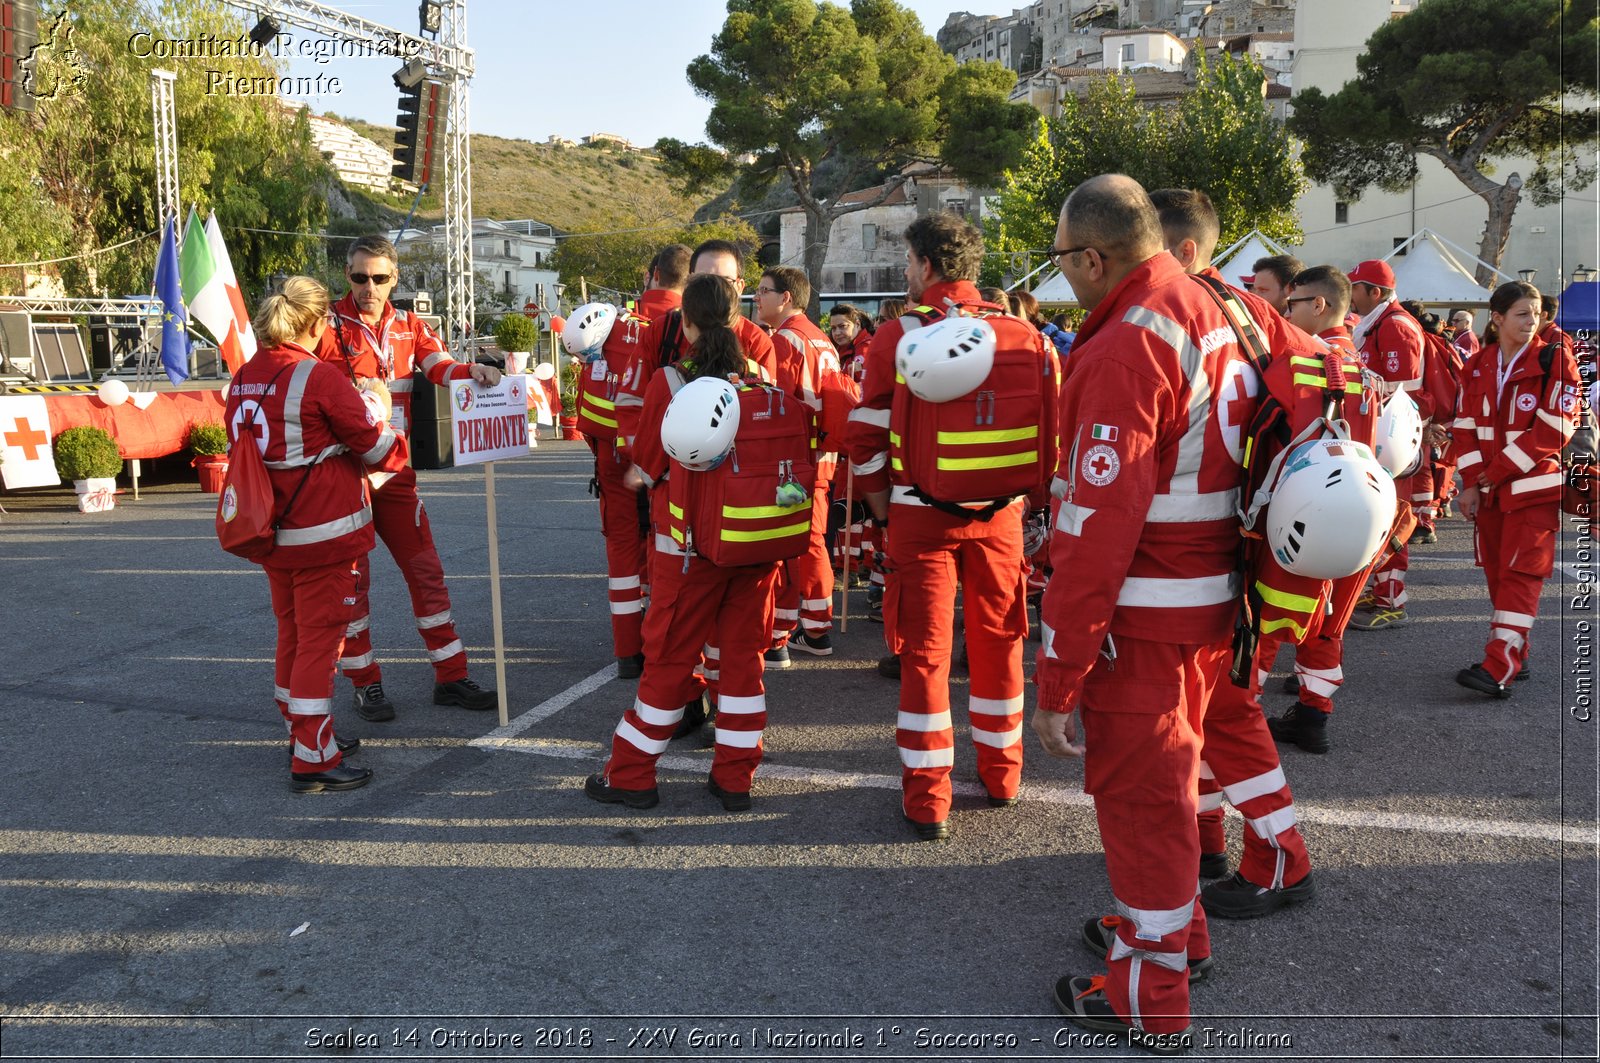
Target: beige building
1136	49
1553	240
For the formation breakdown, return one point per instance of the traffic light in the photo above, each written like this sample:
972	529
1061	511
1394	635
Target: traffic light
19	32
419	145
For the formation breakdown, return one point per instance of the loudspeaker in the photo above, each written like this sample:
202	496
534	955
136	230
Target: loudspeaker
431	444
101	344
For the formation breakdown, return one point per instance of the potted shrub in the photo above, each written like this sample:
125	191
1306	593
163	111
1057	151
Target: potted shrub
89	458
516	336
209	441
569	399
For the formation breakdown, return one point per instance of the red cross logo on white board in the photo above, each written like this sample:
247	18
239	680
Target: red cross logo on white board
28	438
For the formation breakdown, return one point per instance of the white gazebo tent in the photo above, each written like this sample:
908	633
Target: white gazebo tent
1428	272
1055	291
1236	261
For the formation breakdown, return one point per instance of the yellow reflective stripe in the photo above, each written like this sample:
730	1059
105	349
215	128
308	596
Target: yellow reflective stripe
731	536
1311	381
1315	363
675	510
1278	625
1004	435
598	401
998	461
894	439
762	512
1298	603
897	465
597	419
898	379
677	534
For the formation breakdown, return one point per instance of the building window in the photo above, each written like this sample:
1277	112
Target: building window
508	280
849	282
508	248
869	238
1127	53
1341	214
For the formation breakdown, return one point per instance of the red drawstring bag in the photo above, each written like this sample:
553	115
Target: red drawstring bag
247	523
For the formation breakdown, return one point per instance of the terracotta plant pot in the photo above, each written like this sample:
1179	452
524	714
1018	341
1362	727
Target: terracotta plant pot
569	429
212	469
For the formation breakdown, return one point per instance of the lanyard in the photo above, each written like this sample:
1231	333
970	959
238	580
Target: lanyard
1503	372
381	348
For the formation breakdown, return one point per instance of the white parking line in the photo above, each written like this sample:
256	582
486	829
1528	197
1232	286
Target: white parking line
547	708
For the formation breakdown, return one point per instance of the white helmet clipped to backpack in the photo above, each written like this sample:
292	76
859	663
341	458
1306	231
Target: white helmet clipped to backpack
588	328
700	423
946	359
1398	445
1331	509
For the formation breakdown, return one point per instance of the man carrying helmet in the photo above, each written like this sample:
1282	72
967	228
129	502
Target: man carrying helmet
1391	344
370	339
933	542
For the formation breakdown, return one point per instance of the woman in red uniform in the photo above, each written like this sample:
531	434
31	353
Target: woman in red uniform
693	603
315	433
1520	398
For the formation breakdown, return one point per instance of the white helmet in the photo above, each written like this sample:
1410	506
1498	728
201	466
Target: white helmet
588	328
1331	509
946	359
1399	441
700	422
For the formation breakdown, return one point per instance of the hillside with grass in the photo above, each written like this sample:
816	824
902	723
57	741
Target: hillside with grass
573	189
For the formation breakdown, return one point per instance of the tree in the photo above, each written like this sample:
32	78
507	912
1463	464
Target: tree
91	148
1220	139
616	257
1464	82
795	83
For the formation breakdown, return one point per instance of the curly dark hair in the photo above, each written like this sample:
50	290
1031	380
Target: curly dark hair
949	243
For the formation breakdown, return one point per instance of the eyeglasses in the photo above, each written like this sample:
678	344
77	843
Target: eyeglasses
768	291
1056	254
1303	299
375	278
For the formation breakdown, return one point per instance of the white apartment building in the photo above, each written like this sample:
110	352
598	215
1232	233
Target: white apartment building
1141	49
515	257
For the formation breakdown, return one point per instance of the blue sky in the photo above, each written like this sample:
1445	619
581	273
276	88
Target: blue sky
566	68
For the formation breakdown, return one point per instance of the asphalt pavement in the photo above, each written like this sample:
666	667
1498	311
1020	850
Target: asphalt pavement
166	896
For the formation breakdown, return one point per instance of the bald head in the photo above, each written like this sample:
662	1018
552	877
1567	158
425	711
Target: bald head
1113	214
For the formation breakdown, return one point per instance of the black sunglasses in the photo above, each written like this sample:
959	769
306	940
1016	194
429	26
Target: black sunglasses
1303	299
375	278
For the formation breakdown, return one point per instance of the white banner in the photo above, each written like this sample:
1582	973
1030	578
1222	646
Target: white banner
488	424
26	459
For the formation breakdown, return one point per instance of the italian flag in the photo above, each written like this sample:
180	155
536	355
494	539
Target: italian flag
212	291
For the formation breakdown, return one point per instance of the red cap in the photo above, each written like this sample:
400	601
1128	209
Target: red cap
1247	278
1373	271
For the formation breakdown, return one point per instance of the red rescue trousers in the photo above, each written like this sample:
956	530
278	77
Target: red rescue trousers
1517	551
313	607
728	608
402	524
930	553
1143	716
1389	582
805	583
627	545
1239	763
1319	660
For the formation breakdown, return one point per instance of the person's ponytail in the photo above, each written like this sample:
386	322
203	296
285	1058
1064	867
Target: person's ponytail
711	305
290	311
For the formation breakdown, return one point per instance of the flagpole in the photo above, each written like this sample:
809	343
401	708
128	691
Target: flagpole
494	595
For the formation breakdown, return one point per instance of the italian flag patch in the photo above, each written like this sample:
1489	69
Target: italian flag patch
1106	432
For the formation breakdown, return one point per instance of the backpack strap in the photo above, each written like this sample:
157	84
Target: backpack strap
984	515
1239	316
671	335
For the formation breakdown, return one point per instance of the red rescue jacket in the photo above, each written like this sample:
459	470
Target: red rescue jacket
399	344
1513	432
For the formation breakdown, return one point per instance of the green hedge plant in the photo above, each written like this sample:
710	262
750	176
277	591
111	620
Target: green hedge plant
87	453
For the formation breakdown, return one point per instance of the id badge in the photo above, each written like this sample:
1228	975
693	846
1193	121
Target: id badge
397	418
597	369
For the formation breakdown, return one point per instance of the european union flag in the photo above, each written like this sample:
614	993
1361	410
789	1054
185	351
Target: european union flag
174	318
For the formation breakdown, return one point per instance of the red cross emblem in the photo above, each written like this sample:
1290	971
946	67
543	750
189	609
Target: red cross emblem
1100	465
29	438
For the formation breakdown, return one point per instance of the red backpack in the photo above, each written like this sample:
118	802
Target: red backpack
754	508
1441	375
991	445
598	380
247	520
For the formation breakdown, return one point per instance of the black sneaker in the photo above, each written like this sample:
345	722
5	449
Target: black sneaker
599	790
1291	685
1239	898
1523	674
371	703
875	603
1099	933
818	646
344	777
732	800
777	657
630	667
694	714
930	832
466	694
1478	678
1083	1001
1213	865
889	667
1301	726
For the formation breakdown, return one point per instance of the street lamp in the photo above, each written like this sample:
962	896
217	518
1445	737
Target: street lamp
1583	274
1526	275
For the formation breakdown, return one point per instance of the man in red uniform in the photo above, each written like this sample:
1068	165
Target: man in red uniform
805	360
1138	639
930	549
371	339
1465	339
1390	342
663	295
1272	278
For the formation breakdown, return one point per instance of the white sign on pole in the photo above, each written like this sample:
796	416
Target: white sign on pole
488	424
26	459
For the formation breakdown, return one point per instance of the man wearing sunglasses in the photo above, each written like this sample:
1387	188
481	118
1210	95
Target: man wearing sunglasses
370	339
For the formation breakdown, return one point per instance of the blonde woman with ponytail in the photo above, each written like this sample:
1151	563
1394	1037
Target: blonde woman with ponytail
317	436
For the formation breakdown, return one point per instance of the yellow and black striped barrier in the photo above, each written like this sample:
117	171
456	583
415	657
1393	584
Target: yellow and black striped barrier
50	389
